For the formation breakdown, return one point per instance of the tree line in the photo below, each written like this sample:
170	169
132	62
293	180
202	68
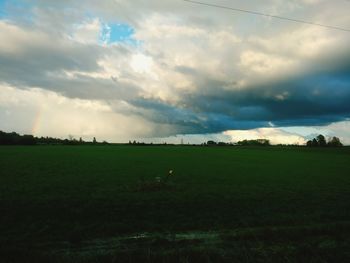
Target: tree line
320	141
257	142
14	138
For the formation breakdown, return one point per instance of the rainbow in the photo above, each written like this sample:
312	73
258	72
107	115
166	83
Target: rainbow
37	122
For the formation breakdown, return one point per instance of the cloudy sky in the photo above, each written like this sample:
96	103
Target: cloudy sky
169	70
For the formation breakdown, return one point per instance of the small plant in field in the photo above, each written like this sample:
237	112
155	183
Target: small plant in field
170	173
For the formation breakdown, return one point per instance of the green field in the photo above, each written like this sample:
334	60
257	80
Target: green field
223	204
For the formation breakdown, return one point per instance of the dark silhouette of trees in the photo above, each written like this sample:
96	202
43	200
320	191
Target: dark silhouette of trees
258	142
27	140
214	143
320	141
315	142
334	142
211	143
17	139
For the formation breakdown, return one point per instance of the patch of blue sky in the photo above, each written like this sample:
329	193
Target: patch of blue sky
3	8
118	33
14	8
121	32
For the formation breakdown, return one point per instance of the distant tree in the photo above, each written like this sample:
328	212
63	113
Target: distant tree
321	140
334	142
94	140
314	142
27	140
309	143
4	138
211	143
244	142
16	139
263	142
258	142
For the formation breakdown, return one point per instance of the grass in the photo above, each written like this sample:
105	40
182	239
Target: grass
250	204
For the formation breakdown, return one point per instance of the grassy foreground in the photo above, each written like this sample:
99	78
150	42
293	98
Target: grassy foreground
234	204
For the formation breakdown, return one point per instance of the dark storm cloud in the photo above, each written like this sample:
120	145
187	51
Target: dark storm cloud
316	98
157	111
188	120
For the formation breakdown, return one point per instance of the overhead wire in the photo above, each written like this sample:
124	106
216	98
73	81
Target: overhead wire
267	15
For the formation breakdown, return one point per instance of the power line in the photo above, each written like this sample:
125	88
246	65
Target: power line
268	15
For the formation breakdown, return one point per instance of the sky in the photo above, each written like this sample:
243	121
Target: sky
172	71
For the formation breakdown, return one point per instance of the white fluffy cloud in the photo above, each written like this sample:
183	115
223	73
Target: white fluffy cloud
88	32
